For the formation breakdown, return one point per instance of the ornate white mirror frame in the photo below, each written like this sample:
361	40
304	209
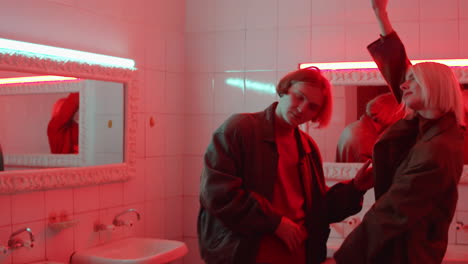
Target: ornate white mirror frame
355	77
51	178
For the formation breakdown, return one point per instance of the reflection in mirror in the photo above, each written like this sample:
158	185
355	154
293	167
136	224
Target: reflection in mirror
66	123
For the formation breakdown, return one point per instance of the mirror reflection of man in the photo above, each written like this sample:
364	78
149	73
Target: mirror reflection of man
357	139
62	130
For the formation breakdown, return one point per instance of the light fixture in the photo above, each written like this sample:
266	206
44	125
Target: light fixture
35	79
372	65
64	54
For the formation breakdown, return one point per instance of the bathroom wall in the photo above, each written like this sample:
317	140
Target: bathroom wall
152	33
233	46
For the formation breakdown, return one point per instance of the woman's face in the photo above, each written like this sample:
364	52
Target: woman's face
302	103
412	92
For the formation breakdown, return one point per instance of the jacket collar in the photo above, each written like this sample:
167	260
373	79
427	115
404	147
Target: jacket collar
269	130
438	126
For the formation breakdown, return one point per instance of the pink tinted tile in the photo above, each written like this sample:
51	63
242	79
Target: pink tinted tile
86	199
262	14
59	202
230	15
200	15
260	90
155	91
173	216
134	187
140	134
85	236
199	127
261	49
358	36
155	133
193	167
5	233
199	51
439	40
358	12
175	137
201	93
111	195
294	13
328	12
155	169
27	207
328	43
293	48
193	255
228	93
155	219
464	37
173	183
433	10
60	243
191	208
175	52
155	48
409	33
230	50
403	10
175	94
5	204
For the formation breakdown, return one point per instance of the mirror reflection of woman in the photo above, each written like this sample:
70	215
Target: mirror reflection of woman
62	130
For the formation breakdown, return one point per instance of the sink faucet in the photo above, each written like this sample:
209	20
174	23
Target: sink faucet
119	222
15	242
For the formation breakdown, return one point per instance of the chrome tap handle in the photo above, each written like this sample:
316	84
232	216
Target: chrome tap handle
14	242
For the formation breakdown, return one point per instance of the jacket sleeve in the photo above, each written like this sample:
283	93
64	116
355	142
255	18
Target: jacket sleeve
406	202
343	200
222	192
390	56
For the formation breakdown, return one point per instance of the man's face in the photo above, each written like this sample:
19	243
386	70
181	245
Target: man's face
302	103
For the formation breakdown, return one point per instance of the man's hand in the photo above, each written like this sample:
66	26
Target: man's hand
364	179
291	233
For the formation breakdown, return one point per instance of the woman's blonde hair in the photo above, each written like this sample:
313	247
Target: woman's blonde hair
440	88
314	77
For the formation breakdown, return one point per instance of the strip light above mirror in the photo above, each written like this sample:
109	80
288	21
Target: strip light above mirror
63	54
36	79
371	65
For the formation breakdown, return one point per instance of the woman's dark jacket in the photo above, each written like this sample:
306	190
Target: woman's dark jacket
237	187
417	172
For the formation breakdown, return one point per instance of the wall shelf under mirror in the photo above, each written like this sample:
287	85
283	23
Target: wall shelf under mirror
106	126
349	79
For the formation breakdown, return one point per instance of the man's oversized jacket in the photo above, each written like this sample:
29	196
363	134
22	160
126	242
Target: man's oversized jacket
237	186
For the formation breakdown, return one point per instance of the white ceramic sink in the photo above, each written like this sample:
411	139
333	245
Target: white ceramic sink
132	251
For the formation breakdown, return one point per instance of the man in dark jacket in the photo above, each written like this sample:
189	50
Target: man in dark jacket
263	197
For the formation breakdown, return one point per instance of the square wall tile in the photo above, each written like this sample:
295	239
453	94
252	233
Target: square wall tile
175	52
85	236
155	218
191	209
154	96
229	93
409	32
462	233
261	49
359	11
59	244
134	187
433	10
328	43
175	137
463	35
294	13
59	203
200	93
175	94
439	40
28	207
262	14
230	50
462	204
155	134
110	195
155	170
293	48
230	15
5	216
200	15
358	36
193	167
199	127
155	48
331	12
5	233
260	90
199	51
173	183
173	215
86	199
140	135
403	10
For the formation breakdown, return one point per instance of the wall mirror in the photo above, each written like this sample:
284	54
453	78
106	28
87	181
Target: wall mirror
348	80
103	91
